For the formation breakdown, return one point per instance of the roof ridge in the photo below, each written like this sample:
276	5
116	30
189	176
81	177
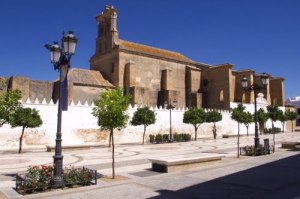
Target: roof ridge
151	50
151	47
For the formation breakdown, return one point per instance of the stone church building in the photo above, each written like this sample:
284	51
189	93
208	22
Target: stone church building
150	75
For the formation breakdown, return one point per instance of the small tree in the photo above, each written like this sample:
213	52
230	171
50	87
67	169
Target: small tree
282	118
237	115
247	119
143	116
25	118
194	116
213	116
291	116
274	114
111	111
262	118
9	102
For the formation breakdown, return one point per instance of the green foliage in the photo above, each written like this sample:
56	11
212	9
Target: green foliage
9	102
273	112
38	178
111	109
291	116
77	176
163	138
237	113
151	138
26	117
143	116
213	116
247	118
194	116
271	131
282	118
159	138
262	118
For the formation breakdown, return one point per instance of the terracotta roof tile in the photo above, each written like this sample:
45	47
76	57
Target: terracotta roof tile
88	77
152	51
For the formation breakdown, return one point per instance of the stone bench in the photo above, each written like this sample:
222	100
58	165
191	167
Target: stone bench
74	147
235	135
179	162
290	145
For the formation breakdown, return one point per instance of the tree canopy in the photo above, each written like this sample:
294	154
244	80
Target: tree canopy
25	118
111	112
262	118
9	102
291	116
194	116
143	116
110	109
213	117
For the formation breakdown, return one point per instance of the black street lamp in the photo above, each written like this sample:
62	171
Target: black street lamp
256	88
60	57
170	106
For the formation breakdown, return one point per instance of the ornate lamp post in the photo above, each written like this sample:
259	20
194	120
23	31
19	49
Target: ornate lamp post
170	106
256	88
60	57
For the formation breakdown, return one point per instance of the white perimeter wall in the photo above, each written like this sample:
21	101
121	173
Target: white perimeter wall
80	127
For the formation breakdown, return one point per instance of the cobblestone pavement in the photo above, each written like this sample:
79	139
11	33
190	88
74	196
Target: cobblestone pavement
139	182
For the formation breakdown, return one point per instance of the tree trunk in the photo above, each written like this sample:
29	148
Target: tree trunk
247	126
21	139
261	127
196	128
113	153
283	127
292	126
238	142
215	131
109	141
273	135
144	134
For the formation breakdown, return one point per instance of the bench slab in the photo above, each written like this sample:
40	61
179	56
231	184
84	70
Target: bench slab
290	145
171	163
70	147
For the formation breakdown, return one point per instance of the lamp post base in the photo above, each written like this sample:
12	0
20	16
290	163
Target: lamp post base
256	143
58	170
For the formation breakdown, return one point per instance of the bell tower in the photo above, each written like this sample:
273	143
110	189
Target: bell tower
107	30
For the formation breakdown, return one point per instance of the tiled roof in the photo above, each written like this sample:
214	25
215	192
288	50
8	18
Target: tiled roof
88	77
152	51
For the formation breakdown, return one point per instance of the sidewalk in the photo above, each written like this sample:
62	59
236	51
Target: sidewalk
272	176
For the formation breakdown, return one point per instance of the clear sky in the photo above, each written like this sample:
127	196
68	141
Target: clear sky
263	35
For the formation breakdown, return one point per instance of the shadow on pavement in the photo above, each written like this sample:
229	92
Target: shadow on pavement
279	179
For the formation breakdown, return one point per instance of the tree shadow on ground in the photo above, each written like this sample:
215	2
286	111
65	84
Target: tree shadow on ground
278	179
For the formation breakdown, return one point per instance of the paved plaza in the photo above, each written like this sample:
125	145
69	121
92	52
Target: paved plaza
271	176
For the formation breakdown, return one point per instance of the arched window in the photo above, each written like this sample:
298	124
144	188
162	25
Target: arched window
221	96
244	98
275	101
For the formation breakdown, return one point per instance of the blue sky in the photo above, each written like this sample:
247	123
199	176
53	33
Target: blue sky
263	35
